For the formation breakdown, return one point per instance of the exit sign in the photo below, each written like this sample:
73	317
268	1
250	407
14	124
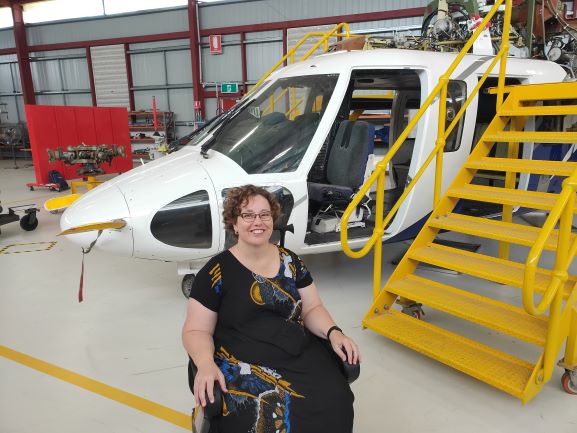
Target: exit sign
228	87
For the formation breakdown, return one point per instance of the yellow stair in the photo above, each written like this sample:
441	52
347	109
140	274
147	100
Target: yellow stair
547	329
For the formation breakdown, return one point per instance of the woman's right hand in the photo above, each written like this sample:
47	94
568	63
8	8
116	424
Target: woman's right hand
206	375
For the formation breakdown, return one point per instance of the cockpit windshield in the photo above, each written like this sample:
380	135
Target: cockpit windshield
272	133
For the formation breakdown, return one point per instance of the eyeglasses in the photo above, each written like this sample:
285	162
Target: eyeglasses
250	217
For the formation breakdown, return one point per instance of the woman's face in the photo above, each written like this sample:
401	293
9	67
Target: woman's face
254	224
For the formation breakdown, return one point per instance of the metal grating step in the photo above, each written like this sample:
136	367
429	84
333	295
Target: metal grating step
486	267
496	368
487	312
494	229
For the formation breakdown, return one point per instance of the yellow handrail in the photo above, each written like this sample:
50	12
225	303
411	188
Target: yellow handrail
378	174
562	210
290	54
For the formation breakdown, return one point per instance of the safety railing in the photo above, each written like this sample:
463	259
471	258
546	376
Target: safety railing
324	40
552	298
378	174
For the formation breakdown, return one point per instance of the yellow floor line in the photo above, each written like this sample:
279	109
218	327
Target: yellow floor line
172	416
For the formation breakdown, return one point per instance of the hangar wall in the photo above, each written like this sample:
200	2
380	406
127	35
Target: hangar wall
162	68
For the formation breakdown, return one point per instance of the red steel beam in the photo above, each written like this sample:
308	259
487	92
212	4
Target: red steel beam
193	35
22	54
129	77
7	51
91	76
243	62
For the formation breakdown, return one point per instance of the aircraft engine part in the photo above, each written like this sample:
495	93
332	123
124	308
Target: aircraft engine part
89	156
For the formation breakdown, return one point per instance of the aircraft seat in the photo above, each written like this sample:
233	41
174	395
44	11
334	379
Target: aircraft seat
346	165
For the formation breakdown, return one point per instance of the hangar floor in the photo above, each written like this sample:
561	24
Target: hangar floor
125	338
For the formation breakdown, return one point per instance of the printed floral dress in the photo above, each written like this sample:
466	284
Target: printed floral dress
280	378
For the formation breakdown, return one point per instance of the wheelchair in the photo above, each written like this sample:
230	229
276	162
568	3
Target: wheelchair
203	417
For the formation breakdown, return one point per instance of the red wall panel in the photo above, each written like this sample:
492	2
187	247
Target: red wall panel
51	127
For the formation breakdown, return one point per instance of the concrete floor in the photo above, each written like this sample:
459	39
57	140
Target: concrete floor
126	334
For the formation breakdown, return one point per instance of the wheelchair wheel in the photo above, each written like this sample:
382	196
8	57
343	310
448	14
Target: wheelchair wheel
186	285
29	222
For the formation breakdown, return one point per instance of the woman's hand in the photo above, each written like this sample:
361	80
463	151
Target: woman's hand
204	380
345	347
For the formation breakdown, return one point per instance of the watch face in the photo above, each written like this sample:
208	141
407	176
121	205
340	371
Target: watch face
197	419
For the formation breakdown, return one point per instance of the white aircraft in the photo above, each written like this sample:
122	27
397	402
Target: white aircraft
311	133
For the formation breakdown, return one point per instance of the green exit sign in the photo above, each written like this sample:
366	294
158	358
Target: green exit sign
228	88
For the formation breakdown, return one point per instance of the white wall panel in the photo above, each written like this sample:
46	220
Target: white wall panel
50	100
262	11
84	100
226	67
105	28
179	67
6	85
75	74
7	38
210	108
143	100
46	75
12	112
147	69
261	57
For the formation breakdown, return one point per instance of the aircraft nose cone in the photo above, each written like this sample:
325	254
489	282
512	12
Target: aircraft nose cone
100	205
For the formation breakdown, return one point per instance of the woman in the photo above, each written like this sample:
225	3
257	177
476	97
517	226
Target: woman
249	318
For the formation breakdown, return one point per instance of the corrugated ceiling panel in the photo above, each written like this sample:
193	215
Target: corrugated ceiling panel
110	80
114	27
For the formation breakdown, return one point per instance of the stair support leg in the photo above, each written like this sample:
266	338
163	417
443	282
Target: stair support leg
570	358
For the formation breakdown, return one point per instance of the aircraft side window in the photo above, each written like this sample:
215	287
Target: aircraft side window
456	96
173	224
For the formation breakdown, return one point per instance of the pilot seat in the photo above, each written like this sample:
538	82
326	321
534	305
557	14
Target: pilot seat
345	172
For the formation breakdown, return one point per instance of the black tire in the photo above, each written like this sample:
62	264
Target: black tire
186	285
29	222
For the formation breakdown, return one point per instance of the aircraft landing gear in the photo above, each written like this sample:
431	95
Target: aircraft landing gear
569	382
186	285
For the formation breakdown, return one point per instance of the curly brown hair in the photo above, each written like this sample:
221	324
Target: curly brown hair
239	196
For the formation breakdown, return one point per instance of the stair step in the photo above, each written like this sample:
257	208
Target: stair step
498	369
494	229
540	92
513	197
486	267
547	110
531	136
554	168
487	312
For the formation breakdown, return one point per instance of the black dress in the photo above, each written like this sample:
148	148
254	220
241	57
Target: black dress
280	378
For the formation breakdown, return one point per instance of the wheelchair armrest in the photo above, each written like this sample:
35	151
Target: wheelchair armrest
211	410
350	371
